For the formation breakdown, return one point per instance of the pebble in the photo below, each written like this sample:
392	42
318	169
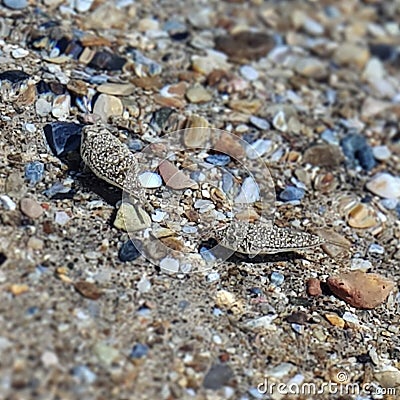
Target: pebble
213	277
264	322
105	353
186	268
34	172
19	53
14	184
129	251
84	374
217	376
196	132
361	264
83	5
227	182
376	249
351	54
249	192
356	148
158	216
314	287
230	144
279	122
174	177
212	61
31	208
362	216
131	219
323	155
245	45
249	73
88	290
170	265
150	180
7	203
389	204
360	289
61	218
277	278
61	106
63	137
381	153
258	148
198	94
218	159
15	4
17	289
335	320
35	243
388	377
13	76
116	89
280	371
42	107
107	106
206	254
330	136
260	123
144	285
139	350
311	67
384	185
292	193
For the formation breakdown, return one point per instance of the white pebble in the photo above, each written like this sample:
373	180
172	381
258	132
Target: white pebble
158	216
7	203
19	53
249	192
260	123
61	218
360	263
189	229
248	72
258	148
150	180
381	153
186	268
213	276
144	285
376	249
279	122
169	264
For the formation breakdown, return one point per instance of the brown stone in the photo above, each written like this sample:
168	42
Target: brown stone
31	208
335	320
231	145
174	177
361	290
314	287
246	106
245	45
323	155
77	87
88	290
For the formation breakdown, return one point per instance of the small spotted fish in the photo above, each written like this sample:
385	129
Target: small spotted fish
262	238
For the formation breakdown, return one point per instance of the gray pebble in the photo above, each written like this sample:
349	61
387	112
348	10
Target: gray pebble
15	4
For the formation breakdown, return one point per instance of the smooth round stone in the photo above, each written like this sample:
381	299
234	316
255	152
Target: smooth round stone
292	193
249	192
144	285
83	5
198	94
169	264
376	249
150	180
186	268
15	4
158	216
381	153
279	122
389	204
249	73
189	229
227	182
84	374
61	106
34	172
19	53
61	218
128	251
107	106
31	208
384	185
197	176
131	219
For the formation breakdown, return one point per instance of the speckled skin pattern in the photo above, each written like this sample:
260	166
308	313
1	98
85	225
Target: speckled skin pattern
110	160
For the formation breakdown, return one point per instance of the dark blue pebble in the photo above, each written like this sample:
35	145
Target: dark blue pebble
218	159
139	350
250	137
398	210
58	187
3	258
383	51
292	193
129	251
34	172
135	144
357	150
13	76
256	290
32	310
63	137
